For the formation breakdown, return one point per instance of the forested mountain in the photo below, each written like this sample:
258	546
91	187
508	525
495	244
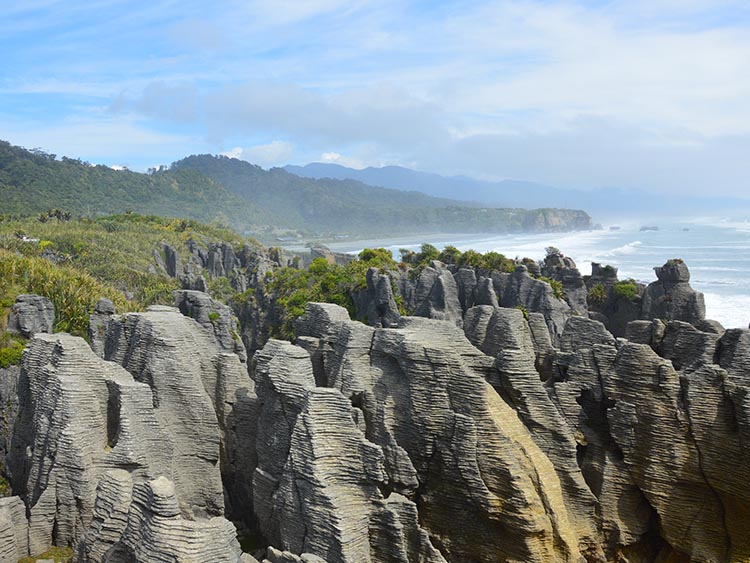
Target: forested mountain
249	198
34	181
351	206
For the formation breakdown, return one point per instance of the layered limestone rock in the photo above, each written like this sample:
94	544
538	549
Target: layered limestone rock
318	477
215	317
505	335
184	419
436	295
14	540
98	321
563	269
79	416
142	522
519	289
450	443
662	449
376	304
200	391
31	314
671	298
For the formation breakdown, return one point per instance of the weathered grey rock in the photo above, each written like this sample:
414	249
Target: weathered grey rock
436	295
172	260
650	333
671	298
9	378
485	293
563	269
654	441
687	346
581	332
543	349
283	375
188	416
376	304
506	336
443	429
709	325
466	283
273	555
141	523
199	391
521	290
625	516
213	316
14	541
30	315
98	321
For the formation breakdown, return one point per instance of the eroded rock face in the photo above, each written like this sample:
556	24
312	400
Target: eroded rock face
449	442
14	540
436	295
141	523
671	298
376	304
215	317
519	289
30	315
184	415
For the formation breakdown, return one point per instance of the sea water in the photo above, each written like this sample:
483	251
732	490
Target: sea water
717	253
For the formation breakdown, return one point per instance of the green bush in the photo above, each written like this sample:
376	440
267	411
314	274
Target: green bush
558	291
450	255
598	294
73	293
11	350
627	289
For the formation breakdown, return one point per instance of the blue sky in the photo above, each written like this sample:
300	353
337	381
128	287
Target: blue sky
644	94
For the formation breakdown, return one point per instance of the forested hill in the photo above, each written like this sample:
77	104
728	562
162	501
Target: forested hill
248	198
34	182
353	207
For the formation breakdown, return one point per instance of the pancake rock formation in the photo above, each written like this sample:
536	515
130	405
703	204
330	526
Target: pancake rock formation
501	424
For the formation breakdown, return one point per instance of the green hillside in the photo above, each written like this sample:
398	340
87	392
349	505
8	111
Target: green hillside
238	194
34	182
332	206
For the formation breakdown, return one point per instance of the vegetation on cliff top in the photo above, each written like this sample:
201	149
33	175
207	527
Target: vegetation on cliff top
75	262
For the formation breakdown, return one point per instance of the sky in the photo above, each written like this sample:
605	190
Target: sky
646	94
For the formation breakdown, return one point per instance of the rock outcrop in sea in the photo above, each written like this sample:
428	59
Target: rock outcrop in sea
500	423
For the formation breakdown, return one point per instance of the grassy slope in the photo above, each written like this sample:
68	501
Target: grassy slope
96	258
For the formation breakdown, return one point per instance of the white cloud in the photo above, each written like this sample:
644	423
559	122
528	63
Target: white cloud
275	153
336	158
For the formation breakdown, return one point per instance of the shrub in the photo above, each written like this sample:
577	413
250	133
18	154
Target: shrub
378	258
450	255
552	251
73	293
558	291
11	350
627	289
598	294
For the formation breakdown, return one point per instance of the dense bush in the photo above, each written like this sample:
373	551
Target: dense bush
73	293
558	291
627	289
598	294
11	350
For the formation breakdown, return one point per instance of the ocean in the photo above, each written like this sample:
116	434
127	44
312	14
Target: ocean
717	252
